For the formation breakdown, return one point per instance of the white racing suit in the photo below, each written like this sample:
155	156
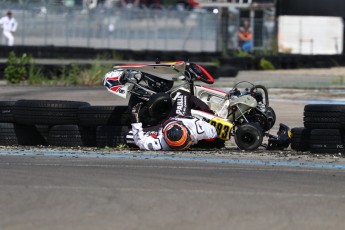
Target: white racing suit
200	130
181	111
9	27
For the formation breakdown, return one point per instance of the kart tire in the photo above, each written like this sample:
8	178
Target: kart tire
92	116
145	118
324	116
159	106
327	141
111	136
71	136
16	134
271	120
6	111
249	136
47	112
300	139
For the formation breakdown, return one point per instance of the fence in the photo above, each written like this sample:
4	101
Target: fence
127	28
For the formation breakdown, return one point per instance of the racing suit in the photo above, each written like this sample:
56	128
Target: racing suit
9	25
200	130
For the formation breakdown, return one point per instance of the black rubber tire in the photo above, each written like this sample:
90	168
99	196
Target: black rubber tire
159	106
47	112
300	140
324	116
144	114
111	136
93	116
327	141
249	136
16	134
71	136
6	111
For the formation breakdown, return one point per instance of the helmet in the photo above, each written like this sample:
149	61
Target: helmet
176	135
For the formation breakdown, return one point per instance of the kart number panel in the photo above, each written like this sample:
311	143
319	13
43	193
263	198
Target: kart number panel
223	128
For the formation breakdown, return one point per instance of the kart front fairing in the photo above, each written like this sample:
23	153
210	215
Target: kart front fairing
111	82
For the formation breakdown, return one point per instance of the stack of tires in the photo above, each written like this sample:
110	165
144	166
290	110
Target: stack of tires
62	123
323	131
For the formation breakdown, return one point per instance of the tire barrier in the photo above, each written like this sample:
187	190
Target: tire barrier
300	139
62	123
323	131
111	136
17	134
327	141
93	116
322	116
47	112
6	111
71	136
78	124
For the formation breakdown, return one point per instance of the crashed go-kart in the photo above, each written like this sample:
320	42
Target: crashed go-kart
244	114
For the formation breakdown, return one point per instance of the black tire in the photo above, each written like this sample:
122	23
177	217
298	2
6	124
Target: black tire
300	140
266	120
16	134
327	141
324	116
159	106
6	111
93	116
71	136
47	112
249	136
111	136
144	115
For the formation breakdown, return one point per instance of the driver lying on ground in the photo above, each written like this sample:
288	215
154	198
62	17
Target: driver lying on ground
179	131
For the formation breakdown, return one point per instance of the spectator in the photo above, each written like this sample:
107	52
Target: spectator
9	25
245	37
179	131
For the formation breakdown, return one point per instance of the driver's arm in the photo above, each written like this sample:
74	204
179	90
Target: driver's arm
145	141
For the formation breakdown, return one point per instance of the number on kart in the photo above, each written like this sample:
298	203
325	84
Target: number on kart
223	128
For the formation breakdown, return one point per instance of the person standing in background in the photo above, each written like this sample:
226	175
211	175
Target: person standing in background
9	25
245	37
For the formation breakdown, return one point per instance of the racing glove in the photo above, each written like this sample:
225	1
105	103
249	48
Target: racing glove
135	113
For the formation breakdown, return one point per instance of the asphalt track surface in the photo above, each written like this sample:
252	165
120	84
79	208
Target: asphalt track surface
42	188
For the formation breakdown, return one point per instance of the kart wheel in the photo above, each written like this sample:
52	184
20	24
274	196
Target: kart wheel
324	116
248	136
6	111
271	118
15	134
144	115
300	139
327	141
92	116
71	136
111	136
159	105
47	112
